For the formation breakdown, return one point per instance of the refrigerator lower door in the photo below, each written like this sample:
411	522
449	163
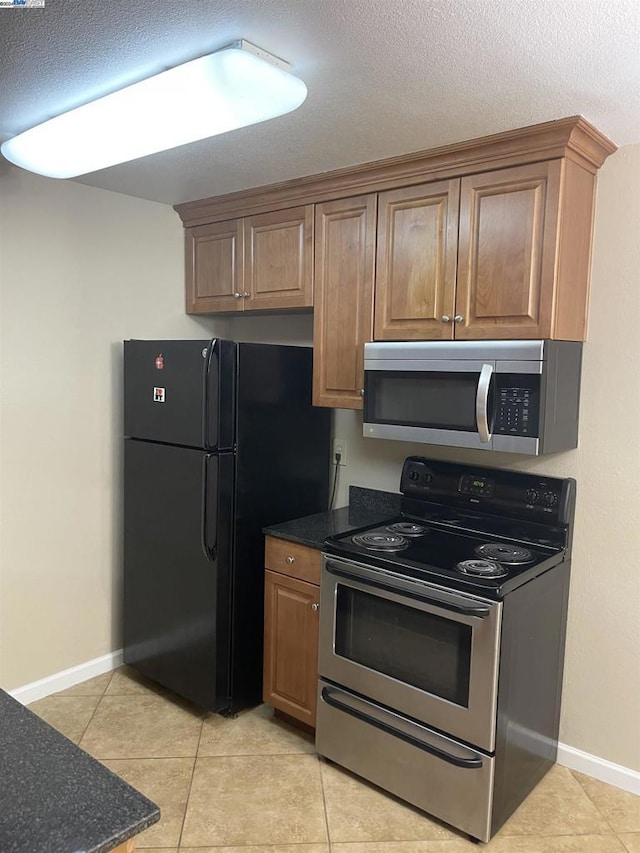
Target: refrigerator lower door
177	568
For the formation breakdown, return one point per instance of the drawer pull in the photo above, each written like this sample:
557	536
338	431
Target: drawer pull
290	560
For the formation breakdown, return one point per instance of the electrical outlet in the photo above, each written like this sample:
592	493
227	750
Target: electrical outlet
340	446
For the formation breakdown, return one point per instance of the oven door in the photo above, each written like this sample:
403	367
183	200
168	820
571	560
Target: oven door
414	647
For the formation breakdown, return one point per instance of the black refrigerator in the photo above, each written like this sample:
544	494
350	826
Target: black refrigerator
221	439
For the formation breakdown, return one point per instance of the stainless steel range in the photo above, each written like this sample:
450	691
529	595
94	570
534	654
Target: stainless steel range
442	641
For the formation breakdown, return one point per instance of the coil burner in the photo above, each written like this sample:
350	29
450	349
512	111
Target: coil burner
407	528
512	555
484	568
380	542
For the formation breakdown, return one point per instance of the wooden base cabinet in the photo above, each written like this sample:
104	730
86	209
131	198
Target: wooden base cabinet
291	630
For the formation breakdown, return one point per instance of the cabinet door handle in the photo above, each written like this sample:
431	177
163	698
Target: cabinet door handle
246	295
445	318
315	607
290	560
458	318
237	295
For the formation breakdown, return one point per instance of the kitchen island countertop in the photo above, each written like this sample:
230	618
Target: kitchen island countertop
366	506
54	797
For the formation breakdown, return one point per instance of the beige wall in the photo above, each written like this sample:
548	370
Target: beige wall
80	269
601	705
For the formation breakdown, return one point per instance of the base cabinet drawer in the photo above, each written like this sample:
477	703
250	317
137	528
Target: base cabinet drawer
290	558
291	646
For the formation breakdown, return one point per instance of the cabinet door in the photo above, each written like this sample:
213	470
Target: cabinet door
278	251
507	251
343	311
291	646
416	269
214	267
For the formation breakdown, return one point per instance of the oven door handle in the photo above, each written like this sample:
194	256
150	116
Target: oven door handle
450	602
350	706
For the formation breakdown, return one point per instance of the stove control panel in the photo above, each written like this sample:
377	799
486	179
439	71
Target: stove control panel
499	491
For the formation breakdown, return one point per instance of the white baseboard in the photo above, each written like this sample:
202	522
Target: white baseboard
599	768
67	678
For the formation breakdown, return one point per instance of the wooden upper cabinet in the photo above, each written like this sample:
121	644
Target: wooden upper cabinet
416	266
343	310
507	252
254	263
278	255
214	267
486	238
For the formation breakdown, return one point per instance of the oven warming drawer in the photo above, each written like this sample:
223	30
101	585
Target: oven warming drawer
435	773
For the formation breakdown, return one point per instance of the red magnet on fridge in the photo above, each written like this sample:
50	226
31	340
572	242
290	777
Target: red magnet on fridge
159	362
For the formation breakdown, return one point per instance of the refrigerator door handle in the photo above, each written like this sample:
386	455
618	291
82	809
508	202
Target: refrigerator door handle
209	508
210	375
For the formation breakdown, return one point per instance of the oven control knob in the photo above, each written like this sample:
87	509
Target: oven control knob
413	475
532	496
550	498
428	477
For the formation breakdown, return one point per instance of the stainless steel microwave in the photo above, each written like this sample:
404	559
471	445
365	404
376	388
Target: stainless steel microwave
514	396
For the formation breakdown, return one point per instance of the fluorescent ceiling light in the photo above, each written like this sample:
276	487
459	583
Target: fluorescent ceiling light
234	87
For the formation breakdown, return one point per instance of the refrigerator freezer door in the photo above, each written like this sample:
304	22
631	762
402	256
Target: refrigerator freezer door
180	392
177	568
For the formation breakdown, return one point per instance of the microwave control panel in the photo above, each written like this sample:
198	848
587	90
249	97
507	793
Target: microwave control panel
517	412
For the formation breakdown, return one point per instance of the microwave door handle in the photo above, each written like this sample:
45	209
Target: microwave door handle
482	403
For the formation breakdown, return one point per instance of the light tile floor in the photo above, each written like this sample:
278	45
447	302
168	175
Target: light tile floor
255	785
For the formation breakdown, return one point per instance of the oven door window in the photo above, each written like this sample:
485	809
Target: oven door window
417	648
432	400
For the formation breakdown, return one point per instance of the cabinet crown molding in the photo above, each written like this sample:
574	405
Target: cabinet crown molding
573	138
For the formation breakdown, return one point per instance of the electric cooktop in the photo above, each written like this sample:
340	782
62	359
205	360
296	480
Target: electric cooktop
485	531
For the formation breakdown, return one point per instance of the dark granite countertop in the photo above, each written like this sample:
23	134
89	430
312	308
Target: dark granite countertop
54	798
366	506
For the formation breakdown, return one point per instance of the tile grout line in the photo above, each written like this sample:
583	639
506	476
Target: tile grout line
324	803
193	773
100	698
597	808
622	841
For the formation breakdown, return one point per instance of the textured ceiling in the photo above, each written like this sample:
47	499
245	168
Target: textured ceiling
385	77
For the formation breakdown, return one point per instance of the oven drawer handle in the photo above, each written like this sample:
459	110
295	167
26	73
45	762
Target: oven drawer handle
450	603
467	763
